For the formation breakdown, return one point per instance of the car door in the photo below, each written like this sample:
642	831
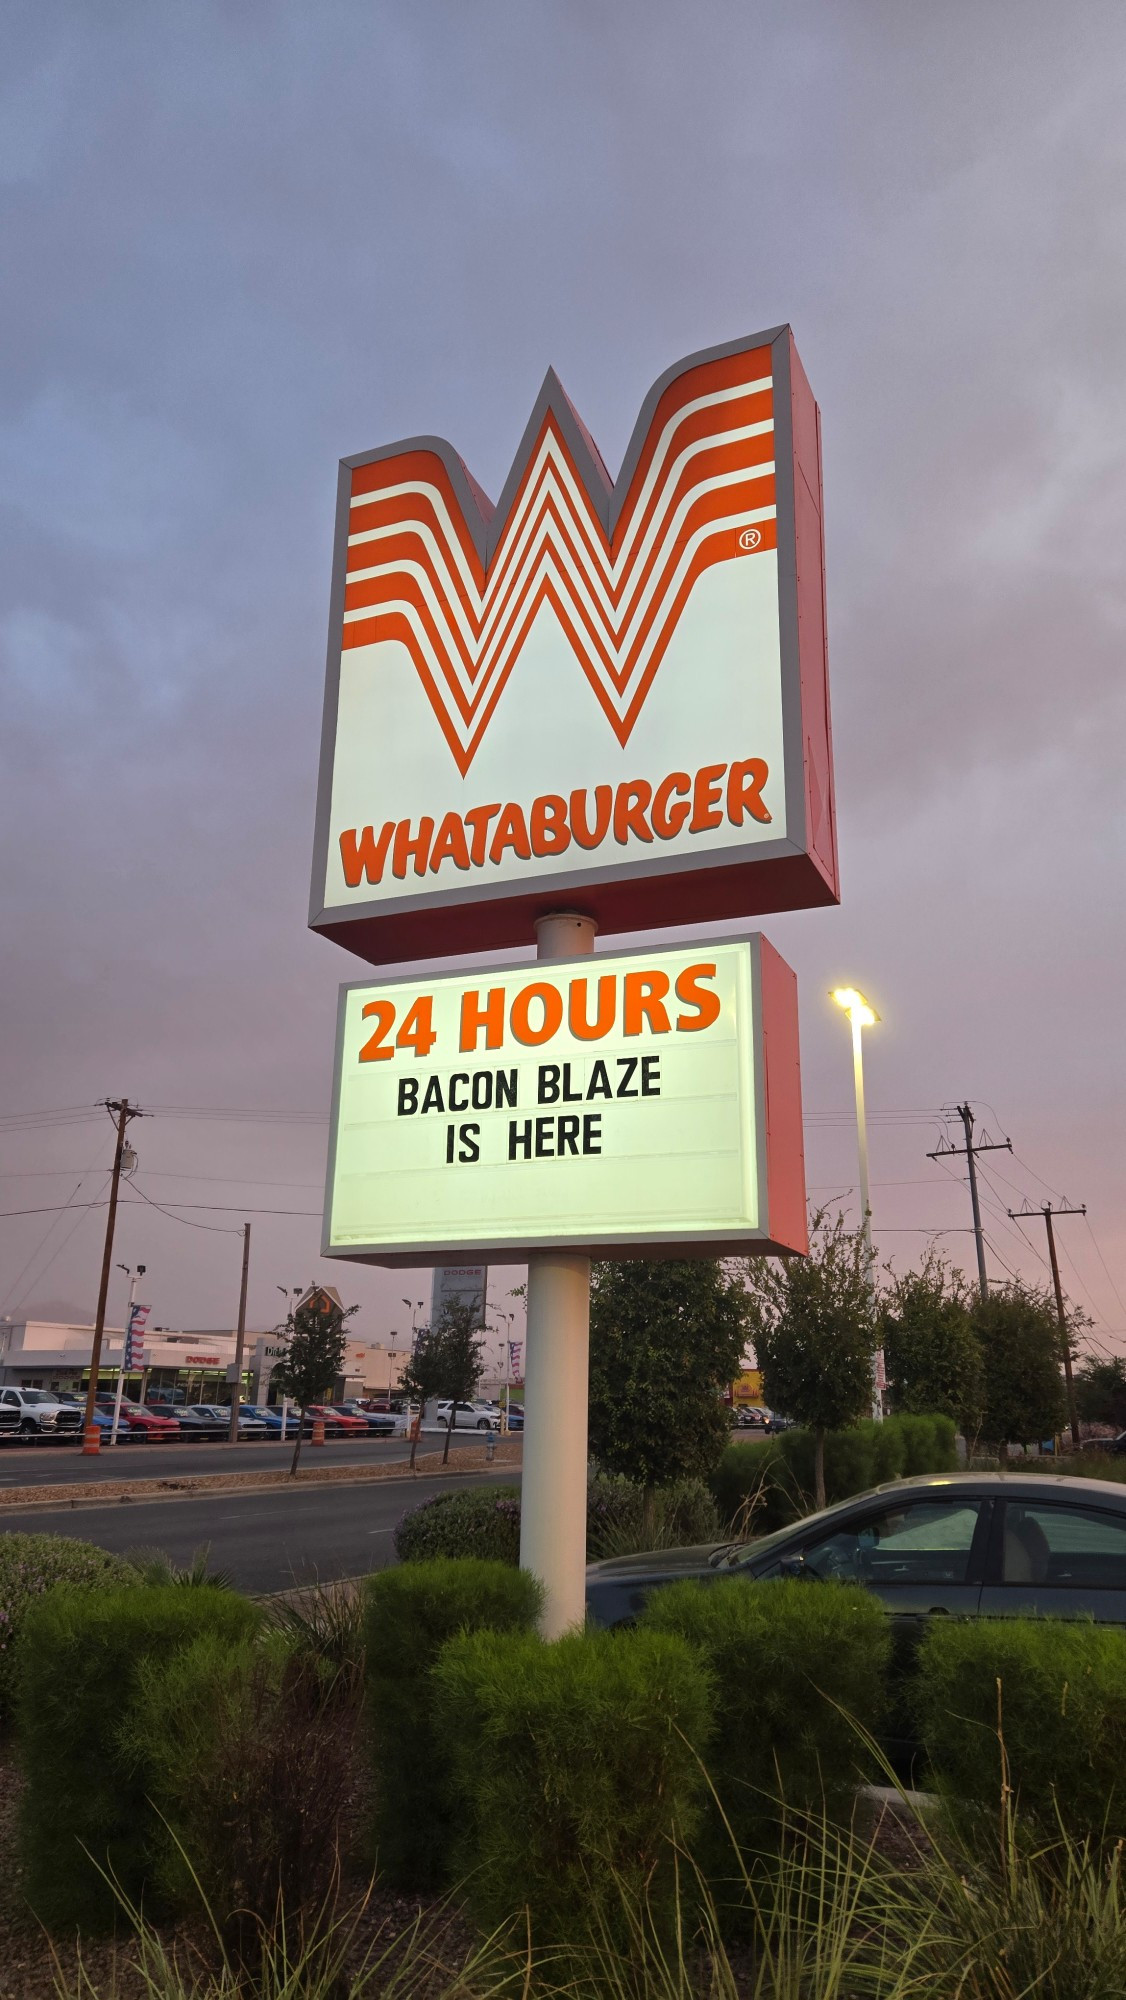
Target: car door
922	1557
1057	1558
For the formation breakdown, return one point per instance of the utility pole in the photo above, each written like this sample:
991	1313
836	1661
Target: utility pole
945	1152
90	1442
1047	1211
240	1335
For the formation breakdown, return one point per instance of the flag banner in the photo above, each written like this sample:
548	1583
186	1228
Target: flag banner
134	1356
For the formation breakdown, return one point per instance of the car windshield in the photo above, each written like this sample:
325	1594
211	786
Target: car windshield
734	1553
38	1396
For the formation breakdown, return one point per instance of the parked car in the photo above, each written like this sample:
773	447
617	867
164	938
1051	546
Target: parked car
515	1416
380	1423
337	1421
751	1417
270	1419
776	1424
103	1420
143	1420
202	1420
480	1416
972	1545
40	1412
1117	1445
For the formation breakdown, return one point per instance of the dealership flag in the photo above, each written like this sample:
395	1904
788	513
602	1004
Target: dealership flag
515	1356
134	1356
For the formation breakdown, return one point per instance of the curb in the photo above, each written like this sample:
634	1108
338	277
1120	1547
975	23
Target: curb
200	1485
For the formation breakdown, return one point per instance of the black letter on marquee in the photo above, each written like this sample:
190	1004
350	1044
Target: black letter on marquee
519	1138
548	1085
599	1085
650	1076
592	1132
408	1096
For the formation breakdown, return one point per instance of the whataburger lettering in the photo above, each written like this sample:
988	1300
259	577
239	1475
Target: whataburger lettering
632	811
602	644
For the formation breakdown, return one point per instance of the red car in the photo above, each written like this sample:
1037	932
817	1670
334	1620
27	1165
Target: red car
142	1421
338	1422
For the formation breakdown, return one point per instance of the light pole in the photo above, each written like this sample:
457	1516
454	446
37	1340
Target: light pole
862	1016
132	1276
391	1363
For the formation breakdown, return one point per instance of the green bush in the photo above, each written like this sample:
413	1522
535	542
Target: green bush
85	1808
482	1521
248	1746
623	1518
31	1564
574	1765
409	1614
795	1667
1061	1707
769	1484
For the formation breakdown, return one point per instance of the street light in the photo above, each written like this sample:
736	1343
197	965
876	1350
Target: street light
861	1015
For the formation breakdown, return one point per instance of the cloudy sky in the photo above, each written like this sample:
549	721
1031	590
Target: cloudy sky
242	240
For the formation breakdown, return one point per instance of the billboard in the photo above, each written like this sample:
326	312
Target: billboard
609	697
640	1103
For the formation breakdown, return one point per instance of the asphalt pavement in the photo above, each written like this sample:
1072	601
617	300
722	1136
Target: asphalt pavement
58	1464
266	1540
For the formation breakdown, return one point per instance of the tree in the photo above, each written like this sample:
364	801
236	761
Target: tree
1100	1392
1019	1336
314	1355
931	1352
666	1339
446	1360
814	1329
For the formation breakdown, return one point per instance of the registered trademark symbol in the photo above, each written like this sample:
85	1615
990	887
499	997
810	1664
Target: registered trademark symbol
750	538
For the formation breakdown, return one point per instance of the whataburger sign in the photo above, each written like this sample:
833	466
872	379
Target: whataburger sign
602	1104
610	697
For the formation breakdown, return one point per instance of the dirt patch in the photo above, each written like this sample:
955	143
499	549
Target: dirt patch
471	1458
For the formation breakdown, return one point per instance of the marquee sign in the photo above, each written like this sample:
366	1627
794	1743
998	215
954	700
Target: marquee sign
611	697
625	1104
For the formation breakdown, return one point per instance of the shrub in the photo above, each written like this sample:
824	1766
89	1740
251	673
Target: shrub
481	1521
31	1564
85	1808
623	1518
574	1765
409	1614
249	1751
770	1483
795	1666
1061	1706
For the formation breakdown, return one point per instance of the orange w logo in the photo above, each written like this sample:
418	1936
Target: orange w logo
431	564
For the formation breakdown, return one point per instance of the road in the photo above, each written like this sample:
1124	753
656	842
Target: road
265	1540
57	1464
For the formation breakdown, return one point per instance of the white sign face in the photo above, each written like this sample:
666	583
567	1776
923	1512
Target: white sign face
590	690
609	1101
458	1284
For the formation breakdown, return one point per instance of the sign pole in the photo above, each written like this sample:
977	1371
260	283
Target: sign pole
556	1387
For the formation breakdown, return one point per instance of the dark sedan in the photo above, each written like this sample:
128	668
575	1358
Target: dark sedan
969	1544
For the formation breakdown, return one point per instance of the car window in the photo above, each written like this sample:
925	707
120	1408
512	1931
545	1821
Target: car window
37	1396
11	1397
1062	1547
924	1541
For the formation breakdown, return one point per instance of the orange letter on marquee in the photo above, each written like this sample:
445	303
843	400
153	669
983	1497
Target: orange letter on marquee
705	799
550	832
363	854
479	819
641	1000
407	849
474	1017
451	843
510	832
668	820
693	994
629	811
519	1022
744	791
603	803
576	1011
